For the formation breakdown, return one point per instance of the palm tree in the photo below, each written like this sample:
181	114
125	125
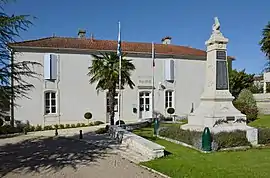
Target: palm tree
105	72
265	45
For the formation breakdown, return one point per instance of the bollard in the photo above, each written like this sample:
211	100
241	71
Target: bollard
81	134
156	126
56	132
206	140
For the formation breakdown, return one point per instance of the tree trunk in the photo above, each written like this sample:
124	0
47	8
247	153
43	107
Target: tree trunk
111	105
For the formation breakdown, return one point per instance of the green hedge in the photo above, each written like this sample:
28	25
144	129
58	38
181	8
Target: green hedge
7	129
220	140
264	136
231	139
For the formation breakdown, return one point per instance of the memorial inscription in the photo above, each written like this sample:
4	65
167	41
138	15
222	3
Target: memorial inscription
221	73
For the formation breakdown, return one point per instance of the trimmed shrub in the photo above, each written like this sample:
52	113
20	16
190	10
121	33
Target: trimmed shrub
78	125
231	139
264	136
61	126
38	128
90	124
98	122
83	124
8	129
247	105
67	126
194	138
56	126
176	133
73	126
101	131
48	127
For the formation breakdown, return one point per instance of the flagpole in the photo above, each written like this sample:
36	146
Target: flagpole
120	71
153	79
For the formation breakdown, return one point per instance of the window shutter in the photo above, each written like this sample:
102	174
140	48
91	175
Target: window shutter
46	67
53	67
169	70
50	67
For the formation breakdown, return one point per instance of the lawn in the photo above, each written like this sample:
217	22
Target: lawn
261	122
185	162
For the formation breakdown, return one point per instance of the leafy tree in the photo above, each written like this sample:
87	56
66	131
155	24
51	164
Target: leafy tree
240	80
247	105
265	45
105	72
13	74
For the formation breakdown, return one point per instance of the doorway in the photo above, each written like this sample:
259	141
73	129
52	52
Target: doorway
145	105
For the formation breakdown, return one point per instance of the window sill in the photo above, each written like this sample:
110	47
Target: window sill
51	115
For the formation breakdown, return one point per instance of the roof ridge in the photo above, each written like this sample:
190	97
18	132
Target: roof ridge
38	39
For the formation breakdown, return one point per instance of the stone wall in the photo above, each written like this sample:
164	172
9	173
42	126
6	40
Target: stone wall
263	102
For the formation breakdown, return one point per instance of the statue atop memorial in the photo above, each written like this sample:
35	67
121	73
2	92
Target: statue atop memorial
216	26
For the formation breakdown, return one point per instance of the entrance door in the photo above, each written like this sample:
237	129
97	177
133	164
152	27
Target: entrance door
145	104
116	114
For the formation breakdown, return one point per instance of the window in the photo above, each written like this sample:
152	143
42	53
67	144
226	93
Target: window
168	99
50	102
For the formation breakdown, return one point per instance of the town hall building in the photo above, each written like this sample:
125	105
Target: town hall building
62	93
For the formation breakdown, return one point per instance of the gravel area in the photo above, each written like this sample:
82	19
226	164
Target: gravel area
48	157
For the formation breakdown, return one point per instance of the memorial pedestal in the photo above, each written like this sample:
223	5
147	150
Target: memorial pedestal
216	110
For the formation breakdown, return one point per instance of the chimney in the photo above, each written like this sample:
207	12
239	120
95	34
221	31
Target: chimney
81	33
166	40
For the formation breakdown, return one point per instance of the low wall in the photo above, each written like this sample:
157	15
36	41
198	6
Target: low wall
140	145
137	125
263	102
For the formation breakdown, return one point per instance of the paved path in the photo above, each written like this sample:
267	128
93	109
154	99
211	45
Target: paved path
52	157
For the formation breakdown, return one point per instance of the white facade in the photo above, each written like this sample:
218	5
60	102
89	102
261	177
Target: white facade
178	84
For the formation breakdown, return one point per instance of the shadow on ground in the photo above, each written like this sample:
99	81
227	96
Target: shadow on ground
52	153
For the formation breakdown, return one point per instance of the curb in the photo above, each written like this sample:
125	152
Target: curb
154	171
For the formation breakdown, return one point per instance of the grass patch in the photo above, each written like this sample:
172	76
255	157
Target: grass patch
185	162
263	121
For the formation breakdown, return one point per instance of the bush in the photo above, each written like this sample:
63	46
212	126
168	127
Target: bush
264	136
78	125
31	128
90	124
48	127
176	133
101	131
61	126
247	105
67	126
194	138
73	126
88	115
38	128
83	124
8	129
98	122
231	139
56	126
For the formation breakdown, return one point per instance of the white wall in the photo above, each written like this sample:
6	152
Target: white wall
77	96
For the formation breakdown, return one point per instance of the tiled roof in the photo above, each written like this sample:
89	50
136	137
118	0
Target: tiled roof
110	45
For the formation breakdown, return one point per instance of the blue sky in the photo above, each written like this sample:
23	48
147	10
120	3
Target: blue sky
187	22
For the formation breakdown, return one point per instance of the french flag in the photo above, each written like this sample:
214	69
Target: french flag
119	41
